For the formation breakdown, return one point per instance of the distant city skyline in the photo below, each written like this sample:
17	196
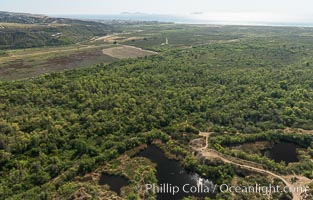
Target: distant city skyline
240	11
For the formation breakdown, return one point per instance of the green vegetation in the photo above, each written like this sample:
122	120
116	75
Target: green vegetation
226	140
58	126
2	53
222	143
28	31
12	37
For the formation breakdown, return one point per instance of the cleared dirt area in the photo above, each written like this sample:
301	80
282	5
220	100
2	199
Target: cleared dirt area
127	52
116	38
298	130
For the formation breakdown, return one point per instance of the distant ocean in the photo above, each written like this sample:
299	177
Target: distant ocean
176	19
133	17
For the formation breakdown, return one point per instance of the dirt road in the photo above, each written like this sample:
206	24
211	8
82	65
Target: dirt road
211	153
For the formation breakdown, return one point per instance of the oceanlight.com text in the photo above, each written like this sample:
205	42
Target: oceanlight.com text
167	188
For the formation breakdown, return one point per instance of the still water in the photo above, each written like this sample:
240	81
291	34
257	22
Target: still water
171	172
115	182
283	151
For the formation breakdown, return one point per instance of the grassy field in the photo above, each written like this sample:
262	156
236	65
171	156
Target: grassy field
25	63
32	62
29	62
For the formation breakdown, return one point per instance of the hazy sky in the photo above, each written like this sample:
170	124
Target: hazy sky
224	10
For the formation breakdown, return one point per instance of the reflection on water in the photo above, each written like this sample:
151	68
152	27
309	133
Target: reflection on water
171	172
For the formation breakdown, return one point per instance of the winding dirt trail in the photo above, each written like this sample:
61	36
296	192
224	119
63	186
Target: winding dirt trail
211	153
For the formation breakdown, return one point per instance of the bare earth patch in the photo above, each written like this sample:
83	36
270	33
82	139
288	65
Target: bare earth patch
127	52
116	38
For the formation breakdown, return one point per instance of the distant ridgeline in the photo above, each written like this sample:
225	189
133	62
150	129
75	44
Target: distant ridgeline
26	30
